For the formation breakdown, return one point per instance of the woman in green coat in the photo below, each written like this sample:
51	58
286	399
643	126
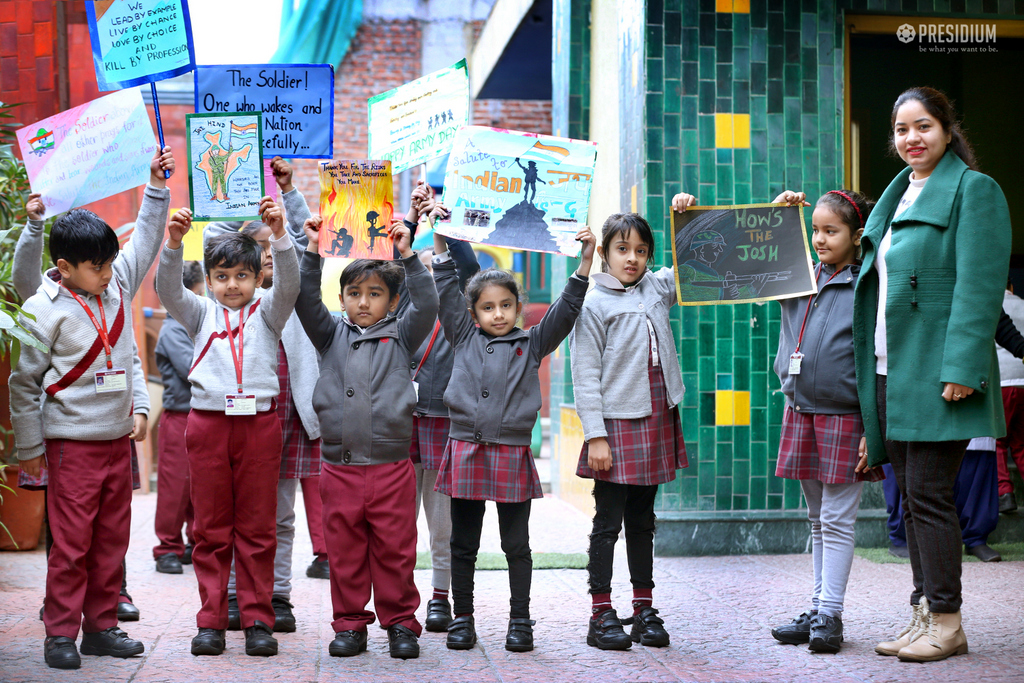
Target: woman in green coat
936	256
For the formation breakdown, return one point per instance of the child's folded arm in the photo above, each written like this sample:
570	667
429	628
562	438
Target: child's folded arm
26	389
559	318
586	344
283	293
28	260
182	304
316	320
419	317
455	318
134	261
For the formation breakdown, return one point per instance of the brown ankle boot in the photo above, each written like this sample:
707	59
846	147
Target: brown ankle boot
942	637
891	648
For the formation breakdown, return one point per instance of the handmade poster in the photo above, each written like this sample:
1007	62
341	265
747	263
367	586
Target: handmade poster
518	190
356	205
225	165
416	122
736	254
139	41
296	100
89	152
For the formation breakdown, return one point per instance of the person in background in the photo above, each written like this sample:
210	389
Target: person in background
1011	376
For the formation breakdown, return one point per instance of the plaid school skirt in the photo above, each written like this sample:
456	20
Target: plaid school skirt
40	482
645	451
429	438
822	447
300	455
474	471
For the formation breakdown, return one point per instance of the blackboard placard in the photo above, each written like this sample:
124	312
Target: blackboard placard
740	254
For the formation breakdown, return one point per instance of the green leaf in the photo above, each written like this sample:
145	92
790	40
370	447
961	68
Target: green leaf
26	337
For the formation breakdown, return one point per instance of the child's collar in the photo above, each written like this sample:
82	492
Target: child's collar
611	282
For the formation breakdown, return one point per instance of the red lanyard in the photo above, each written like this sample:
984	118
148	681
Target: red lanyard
236	354
800	339
100	325
430	345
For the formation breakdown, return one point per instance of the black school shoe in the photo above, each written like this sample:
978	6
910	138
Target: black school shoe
649	629
402	642
347	644
826	633
186	557
234	614
284	620
111	642
605	632
259	640
985	553
797	631
462	633
126	610
209	641
169	564
1007	503
520	635
439	615
60	653
318	569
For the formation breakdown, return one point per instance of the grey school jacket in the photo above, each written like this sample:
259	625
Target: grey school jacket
364	397
494	393
174	351
827	382
609	350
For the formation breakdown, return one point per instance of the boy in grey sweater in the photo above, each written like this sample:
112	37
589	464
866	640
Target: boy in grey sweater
82	425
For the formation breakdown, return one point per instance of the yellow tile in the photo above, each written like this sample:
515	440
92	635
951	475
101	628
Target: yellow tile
741	408
724	408
723	131
632	199
741	131
741	6
723	6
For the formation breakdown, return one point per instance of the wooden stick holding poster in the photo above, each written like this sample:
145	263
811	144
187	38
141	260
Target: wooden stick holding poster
225	165
90	152
357	207
518	190
741	254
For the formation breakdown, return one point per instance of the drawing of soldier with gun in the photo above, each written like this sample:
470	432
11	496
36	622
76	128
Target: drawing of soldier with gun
700	272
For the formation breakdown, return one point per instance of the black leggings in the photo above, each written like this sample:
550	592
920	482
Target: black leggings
514	525
615	503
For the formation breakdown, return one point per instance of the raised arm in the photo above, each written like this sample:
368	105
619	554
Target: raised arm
286	269
134	261
561	316
455	318
316	320
28	252
181	304
419	317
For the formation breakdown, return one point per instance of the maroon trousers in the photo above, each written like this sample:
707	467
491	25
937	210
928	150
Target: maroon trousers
1013	442
314	513
233	467
89	504
173	503
370	527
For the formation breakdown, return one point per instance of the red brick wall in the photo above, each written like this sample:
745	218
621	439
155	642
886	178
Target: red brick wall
27	48
531	116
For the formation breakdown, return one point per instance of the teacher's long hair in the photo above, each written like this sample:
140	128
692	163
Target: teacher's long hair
938	106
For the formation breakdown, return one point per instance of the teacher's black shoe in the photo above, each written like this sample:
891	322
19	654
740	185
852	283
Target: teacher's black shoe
112	642
797	631
60	653
826	633
1007	503
439	615
462	633
318	569
520	635
402	642
186	557
605	632
259	640
649	629
984	553
900	551
209	641
347	644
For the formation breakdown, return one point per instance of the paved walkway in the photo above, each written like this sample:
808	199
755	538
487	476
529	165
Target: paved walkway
718	609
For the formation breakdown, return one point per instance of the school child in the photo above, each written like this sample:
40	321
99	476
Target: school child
233	434
822	442
27	276
174	351
493	400
71	406
627	384
365	399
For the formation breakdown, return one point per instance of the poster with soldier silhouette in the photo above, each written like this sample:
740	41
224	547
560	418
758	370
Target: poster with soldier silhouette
357	206
518	190
225	165
741	254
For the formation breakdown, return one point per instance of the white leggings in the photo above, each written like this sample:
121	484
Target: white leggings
832	509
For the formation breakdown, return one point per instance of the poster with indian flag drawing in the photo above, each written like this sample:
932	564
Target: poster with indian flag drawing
518	190
357	206
225	165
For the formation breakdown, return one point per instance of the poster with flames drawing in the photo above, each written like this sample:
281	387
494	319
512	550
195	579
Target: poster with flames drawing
518	190
357	206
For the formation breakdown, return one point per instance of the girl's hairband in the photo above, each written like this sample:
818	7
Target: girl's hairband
852	203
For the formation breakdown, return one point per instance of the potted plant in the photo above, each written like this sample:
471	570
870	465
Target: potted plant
21	511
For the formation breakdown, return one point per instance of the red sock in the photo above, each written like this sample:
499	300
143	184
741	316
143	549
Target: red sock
440	594
602	602
641	599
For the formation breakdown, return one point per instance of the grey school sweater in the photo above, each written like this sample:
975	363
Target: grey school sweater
71	408
213	370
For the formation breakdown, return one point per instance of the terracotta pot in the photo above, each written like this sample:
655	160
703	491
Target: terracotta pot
22	514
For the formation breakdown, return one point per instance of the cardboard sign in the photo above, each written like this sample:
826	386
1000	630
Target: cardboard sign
139	41
89	152
736	254
518	190
416	122
225	165
296	100
356	205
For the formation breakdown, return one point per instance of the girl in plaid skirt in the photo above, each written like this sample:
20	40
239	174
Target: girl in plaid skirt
627	384
822	442
493	399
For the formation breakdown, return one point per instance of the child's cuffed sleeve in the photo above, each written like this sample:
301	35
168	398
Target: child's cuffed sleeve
316	320
26	270
586	356
297	211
